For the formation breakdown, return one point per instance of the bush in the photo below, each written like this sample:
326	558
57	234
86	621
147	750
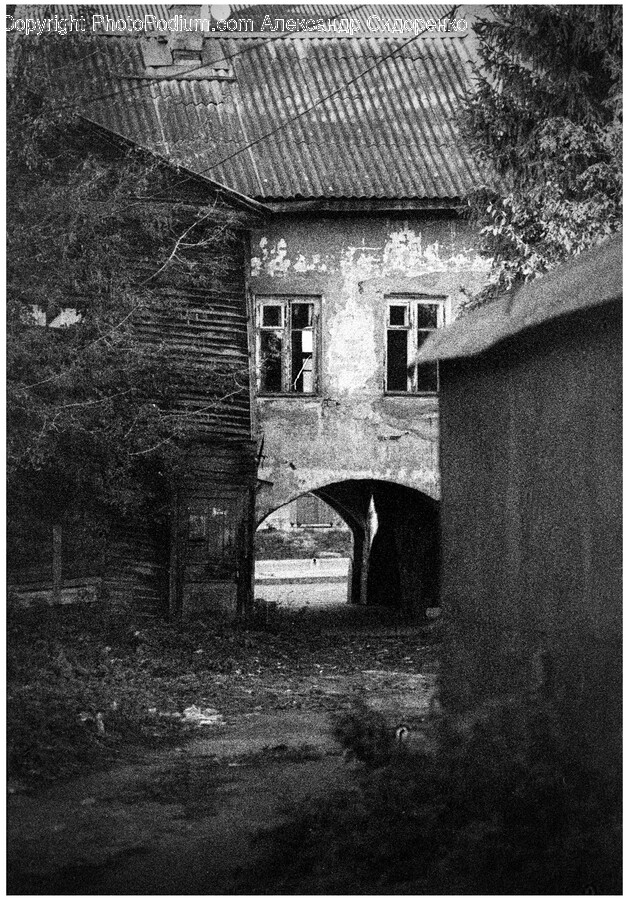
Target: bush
302	543
500	804
65	666
366	735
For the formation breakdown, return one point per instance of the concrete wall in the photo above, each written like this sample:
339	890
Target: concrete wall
353	431
532	524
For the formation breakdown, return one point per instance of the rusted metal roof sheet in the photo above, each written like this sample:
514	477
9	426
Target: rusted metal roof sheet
591	279
305	117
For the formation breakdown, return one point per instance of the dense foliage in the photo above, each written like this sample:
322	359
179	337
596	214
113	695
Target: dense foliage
97	236
545	121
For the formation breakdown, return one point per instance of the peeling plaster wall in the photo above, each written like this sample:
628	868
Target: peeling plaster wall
352	430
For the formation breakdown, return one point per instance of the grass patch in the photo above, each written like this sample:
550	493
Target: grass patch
80	687
84	687
282	753
302	543
191	784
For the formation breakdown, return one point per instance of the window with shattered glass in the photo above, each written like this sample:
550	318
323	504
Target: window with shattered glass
410	321
288	345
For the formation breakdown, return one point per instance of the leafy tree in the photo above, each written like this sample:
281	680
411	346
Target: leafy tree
545	121
98	235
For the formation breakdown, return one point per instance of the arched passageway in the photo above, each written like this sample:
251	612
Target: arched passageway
395	554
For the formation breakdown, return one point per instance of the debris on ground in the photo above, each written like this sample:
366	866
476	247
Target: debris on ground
67	666
195	715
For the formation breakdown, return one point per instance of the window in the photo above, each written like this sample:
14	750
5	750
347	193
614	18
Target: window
288	345
58	318
409	322
212	528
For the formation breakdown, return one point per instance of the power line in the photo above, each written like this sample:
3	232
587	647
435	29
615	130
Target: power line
321	100
308	109
180	76
258	42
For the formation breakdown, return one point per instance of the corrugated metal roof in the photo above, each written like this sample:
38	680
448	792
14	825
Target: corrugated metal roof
275	133
591	279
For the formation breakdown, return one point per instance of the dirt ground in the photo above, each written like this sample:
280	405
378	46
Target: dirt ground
185	820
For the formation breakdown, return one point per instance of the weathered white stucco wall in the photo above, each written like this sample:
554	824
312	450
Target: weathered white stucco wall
352	430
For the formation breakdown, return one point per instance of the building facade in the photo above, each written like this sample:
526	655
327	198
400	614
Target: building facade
335	398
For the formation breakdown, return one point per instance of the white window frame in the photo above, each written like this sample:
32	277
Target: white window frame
412	302
285	302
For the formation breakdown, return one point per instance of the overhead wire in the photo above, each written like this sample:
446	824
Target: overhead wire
321	100
291	119
181	76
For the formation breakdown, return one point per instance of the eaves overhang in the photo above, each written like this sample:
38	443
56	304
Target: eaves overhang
591	279
365	205
235	198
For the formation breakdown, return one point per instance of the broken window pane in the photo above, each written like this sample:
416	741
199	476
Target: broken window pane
271	316
427	375
288	346
427	315
302	381
397	360
271	362
397	315
302	314
302	376
302	346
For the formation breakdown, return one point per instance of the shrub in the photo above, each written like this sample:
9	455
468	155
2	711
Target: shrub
502	803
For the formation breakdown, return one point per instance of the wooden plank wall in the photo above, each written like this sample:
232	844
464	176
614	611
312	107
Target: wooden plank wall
207	326
204	323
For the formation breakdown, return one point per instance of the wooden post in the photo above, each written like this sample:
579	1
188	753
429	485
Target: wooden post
245	557
56	563
251	553
173	579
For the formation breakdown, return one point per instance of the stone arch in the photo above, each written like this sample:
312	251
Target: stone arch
274	495
260	519
396	561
